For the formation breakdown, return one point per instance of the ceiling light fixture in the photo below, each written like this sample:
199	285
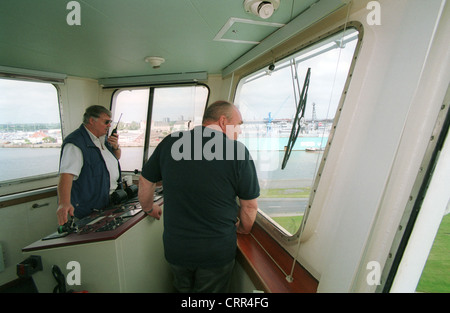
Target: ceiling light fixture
155	61
263	9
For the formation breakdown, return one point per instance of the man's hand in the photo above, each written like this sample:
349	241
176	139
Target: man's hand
114	141
62	212
145	196
157	211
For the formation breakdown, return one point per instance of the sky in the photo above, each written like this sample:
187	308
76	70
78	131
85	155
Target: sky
171	102
274	92
28	102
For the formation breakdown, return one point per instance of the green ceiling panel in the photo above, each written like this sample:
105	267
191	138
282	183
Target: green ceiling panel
116	35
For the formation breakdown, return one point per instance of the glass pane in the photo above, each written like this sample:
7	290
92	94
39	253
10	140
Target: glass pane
176	109
30	129
133	106
268	103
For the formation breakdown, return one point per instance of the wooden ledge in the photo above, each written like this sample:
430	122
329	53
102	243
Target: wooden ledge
262	270
35	196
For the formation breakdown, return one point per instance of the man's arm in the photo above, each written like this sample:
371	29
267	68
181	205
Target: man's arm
64	205
145	196
247	215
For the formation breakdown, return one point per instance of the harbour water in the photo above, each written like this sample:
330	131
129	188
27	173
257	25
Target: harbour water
18	163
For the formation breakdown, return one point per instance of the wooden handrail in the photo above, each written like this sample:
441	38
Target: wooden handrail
263	271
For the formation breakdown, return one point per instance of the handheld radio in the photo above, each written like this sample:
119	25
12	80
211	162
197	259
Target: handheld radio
114	131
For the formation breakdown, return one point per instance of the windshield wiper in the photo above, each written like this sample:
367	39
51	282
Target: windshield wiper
297	119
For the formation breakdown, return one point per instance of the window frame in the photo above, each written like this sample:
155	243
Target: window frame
270	226
152	87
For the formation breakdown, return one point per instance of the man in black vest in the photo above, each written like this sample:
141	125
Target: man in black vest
89	166
204	171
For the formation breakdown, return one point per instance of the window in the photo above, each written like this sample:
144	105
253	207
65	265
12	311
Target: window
30	129
133	106
268	101
173	109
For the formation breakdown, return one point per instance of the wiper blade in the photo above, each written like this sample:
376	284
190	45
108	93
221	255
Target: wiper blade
297	119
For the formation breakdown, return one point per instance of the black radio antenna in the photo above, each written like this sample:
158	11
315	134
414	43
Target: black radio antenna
115	129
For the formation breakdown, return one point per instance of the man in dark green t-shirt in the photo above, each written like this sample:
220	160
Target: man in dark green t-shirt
203	172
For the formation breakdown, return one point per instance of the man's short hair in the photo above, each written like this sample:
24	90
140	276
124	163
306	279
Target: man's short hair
95	111
214	111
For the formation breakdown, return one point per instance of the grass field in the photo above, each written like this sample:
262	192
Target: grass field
290	223
286	192
436	274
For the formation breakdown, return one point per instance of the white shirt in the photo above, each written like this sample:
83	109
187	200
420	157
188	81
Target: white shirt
72	160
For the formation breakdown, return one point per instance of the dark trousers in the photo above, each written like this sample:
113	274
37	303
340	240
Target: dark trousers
202	280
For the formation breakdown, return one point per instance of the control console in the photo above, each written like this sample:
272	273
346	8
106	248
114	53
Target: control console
125	206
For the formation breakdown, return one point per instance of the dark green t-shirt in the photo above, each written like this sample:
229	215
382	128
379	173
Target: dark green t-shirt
202	172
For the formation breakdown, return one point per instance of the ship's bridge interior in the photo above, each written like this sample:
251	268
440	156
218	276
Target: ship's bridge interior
345	110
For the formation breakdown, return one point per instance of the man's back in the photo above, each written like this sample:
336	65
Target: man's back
202	176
